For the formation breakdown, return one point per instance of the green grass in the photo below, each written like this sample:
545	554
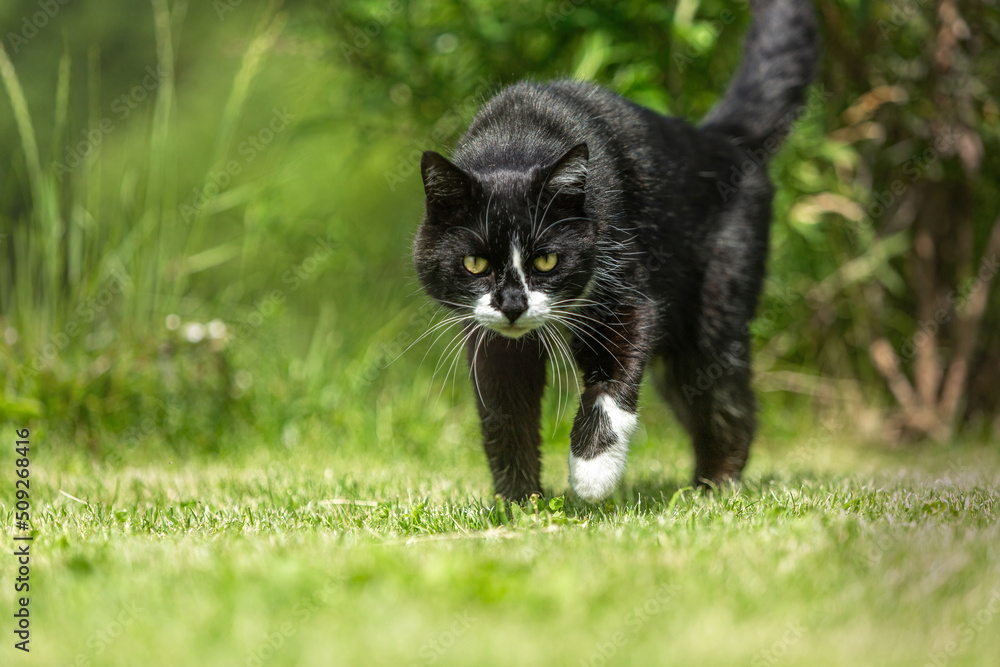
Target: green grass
832	555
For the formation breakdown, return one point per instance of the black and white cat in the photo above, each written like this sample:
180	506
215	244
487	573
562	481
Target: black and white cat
566	207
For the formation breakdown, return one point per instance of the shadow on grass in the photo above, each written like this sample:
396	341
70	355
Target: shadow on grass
655	495
648	495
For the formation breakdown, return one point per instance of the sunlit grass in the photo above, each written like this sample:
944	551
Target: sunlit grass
315	556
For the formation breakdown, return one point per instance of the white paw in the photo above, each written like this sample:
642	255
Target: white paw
595	479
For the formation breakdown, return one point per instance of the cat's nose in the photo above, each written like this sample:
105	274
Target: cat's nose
512	304
513	313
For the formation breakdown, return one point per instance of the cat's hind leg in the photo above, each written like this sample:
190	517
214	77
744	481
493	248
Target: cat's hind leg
724	419
711	395
508	379
716	373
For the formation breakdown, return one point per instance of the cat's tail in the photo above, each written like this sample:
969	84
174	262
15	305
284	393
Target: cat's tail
779	61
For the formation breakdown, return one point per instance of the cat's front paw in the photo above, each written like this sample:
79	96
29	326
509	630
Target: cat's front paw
595	479
605	428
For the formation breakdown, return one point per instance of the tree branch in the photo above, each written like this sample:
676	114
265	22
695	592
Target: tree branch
967	327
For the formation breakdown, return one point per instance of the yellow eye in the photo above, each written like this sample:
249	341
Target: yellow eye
546	263
475	264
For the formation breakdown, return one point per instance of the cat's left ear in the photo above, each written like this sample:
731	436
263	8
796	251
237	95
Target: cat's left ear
443	181
568	176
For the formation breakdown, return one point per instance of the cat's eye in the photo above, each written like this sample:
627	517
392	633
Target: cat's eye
475	265
546	263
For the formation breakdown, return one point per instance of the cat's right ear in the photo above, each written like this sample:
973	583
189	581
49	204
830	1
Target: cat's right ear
569	174
443	181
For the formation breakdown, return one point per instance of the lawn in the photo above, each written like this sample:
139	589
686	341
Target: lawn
344	553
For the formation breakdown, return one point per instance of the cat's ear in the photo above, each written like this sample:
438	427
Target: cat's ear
568	176
443	181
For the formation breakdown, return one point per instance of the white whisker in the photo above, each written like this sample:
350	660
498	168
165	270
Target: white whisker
458	354
542	337
560	344
443	332
488	201
547	207
473	370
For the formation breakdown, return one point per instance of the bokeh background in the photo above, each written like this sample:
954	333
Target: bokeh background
206	210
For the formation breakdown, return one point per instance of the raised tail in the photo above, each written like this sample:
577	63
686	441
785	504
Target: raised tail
780	53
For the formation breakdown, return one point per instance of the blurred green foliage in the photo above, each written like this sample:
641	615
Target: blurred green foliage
206	208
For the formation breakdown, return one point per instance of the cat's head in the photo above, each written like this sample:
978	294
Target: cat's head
513	249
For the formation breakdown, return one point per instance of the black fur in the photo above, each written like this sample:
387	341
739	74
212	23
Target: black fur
661	234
